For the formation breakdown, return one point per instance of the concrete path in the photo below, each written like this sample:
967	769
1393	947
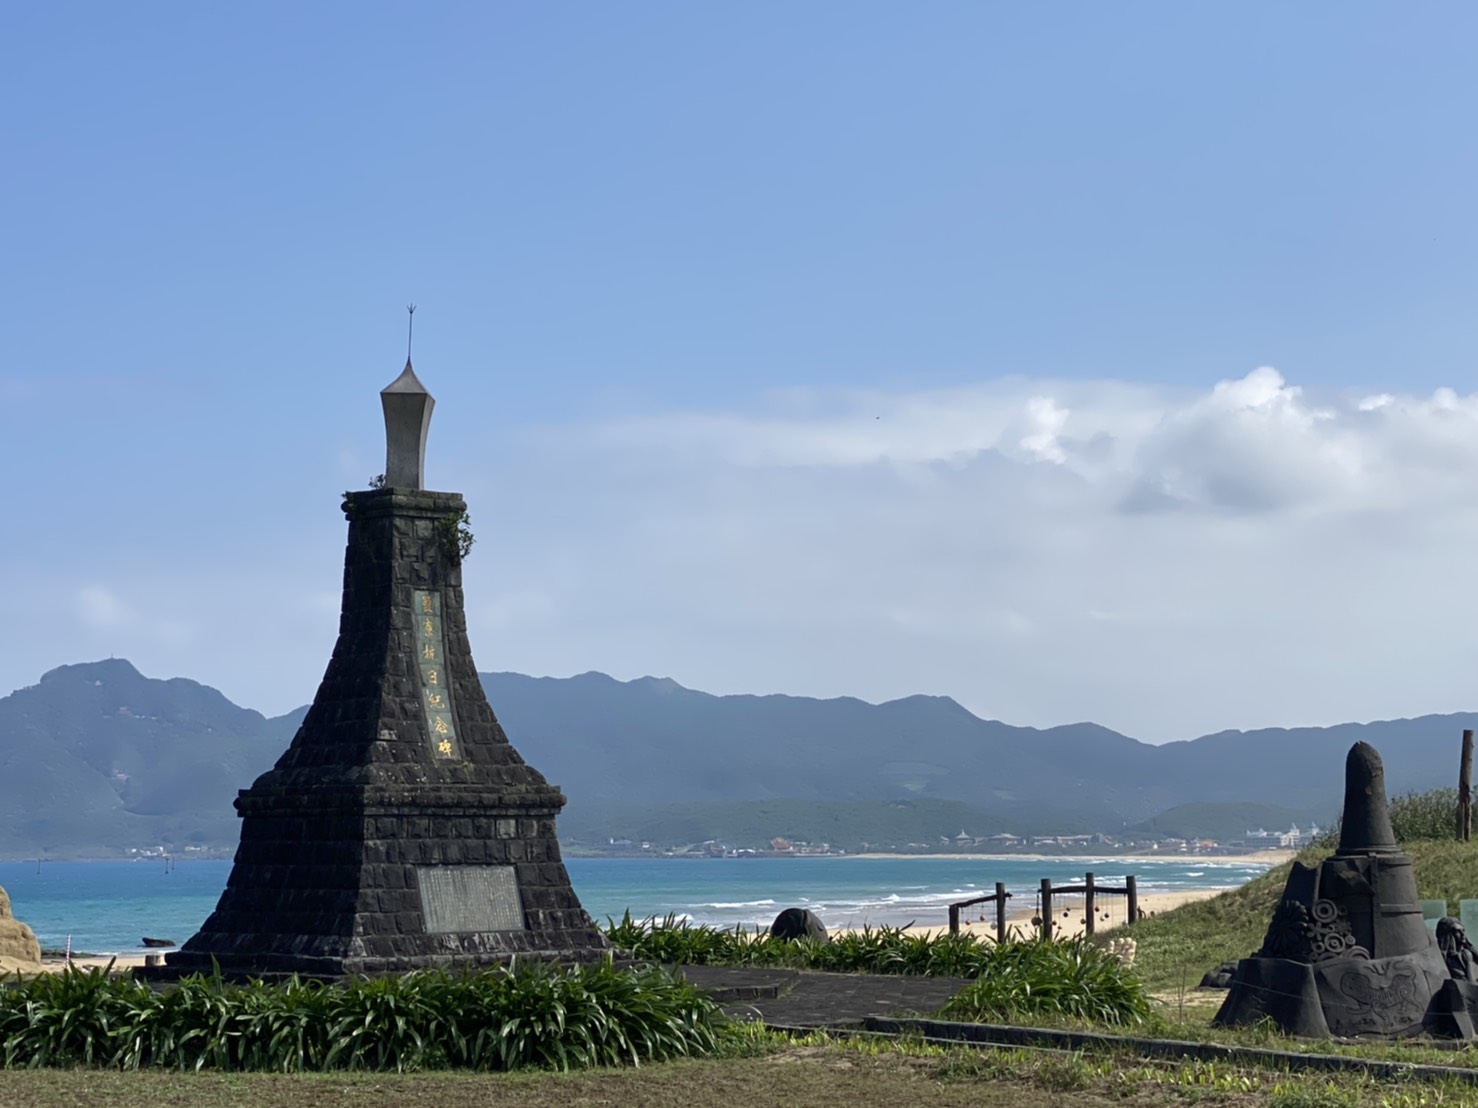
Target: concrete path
796	998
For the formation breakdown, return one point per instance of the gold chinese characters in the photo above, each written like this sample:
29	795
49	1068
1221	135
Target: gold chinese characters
435	692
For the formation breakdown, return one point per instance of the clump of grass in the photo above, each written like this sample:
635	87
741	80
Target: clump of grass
1061	980
532	1016
674	941
867	950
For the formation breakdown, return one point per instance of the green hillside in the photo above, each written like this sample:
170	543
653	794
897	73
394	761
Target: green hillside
97	758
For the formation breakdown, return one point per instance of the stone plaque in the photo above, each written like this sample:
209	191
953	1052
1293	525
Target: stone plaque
470	898
436	690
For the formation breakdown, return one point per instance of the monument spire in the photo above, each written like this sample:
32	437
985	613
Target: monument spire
407	407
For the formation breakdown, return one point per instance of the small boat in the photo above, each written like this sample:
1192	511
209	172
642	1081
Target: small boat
157	943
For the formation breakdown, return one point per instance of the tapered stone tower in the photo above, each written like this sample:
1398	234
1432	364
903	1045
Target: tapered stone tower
400	830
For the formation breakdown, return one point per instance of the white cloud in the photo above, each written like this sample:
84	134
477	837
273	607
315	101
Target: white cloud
1162	561
98	608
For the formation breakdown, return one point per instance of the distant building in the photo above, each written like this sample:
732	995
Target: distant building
1292	839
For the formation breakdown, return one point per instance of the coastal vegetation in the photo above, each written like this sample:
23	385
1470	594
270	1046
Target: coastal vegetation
1024	978
530	1016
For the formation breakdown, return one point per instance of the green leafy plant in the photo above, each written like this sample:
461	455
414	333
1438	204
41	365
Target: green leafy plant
1058	979
456	535
533	1015
1022	977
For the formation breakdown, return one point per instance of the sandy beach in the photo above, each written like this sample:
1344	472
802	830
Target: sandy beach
1267	858
1150	904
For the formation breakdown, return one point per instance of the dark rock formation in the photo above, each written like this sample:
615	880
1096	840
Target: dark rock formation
1219	978
797	923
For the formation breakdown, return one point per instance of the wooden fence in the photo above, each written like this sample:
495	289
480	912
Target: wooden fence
1000	902
1090	891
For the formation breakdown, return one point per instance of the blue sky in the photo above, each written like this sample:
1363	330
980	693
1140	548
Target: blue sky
826	348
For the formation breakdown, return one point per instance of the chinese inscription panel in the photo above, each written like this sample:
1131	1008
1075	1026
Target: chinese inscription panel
436	691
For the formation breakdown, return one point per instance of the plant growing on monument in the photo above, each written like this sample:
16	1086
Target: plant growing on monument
456	535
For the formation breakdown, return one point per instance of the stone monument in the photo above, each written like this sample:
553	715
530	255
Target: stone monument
19	950
400	830
1347	952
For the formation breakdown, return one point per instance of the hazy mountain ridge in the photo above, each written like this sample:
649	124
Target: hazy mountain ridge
97	755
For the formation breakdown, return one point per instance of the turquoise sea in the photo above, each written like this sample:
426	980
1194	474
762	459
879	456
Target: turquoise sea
107	907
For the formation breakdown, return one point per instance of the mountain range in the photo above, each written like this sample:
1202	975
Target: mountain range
96	758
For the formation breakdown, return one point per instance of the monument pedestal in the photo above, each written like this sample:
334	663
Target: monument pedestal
400	830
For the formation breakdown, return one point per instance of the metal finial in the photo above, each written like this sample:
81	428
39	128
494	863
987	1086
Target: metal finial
410	329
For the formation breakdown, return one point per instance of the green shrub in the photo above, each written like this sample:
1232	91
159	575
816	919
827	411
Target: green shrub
499	1019
1425	816
671	941
867	950
1023	977
1052	978
1415	817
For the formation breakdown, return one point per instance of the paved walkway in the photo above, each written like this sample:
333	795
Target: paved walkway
796	998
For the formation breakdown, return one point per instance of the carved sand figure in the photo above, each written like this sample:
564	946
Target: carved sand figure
19	950
1347	951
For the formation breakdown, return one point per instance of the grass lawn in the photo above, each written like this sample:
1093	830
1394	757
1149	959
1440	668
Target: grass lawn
798	1076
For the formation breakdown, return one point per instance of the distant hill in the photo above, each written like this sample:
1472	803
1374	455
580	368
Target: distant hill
96	758
98	755
614	745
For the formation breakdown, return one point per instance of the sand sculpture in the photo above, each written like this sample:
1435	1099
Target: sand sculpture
1347	952
19	950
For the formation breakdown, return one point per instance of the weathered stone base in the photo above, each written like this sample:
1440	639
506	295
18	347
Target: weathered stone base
1388	998
331	883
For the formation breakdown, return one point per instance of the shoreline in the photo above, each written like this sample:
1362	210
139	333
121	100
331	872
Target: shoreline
1150	903
1270	858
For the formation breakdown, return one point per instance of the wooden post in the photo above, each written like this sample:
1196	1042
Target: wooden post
1088	903
1000	912
1133	896
1465	790
954	919
1046	908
